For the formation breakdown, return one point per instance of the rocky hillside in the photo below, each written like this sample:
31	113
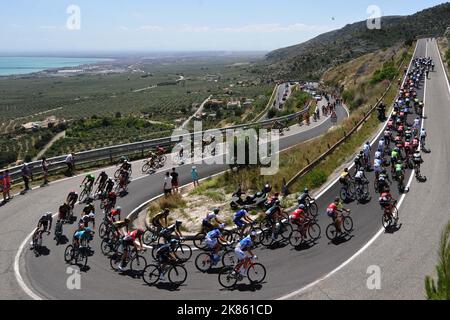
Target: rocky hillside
311	59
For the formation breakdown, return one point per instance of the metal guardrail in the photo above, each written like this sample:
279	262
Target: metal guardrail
111	154
318	160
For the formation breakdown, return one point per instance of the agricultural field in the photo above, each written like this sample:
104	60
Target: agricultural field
162	92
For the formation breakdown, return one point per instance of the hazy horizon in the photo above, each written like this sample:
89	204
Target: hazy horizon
140	26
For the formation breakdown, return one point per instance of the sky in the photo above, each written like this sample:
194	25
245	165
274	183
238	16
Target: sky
179	25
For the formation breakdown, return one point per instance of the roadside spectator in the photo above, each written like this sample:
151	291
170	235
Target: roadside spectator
167	184
194	175
7	184
70	162
27	175
2	186
45	164
175	182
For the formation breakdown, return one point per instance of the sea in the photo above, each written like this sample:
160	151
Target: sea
25	65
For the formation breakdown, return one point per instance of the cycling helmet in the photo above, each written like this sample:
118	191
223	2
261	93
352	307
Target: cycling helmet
103	172
166	211
126	220
253	234
119	209
216	210
178	222
173	242
302	207
337	200
89	229
346	170
277	202
48	214
110	179
222	226
306	190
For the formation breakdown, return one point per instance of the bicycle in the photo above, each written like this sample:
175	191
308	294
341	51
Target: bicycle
311	208
346	222
177	273
136	262
109	245
199	239
36	239
310	226
390	216
256	273
85	193
282	229
183	250
205	260
77	255
347	191
150	235
362	191
58	231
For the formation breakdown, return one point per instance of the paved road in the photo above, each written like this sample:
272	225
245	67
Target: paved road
20	216
289	269
407	256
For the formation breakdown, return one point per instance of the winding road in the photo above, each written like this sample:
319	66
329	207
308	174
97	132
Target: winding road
288	269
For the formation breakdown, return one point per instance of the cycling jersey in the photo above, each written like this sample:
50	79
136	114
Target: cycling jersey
214	234
359	174
210	216
398	168
394	154
245	243
89	209
378	154
46	218
131	236
164	250
298	215
331	210
240	214
272	211
366	149
302	198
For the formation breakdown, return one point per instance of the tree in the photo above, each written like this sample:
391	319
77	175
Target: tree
440	290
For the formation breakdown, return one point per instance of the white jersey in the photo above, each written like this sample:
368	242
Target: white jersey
210	216
423	134
378	154
366	149
377	163
359	174
416	123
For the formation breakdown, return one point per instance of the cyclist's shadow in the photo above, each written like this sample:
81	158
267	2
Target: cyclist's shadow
168	286
62	241
41	251
393	229
342	239
246	287
306	245
279	244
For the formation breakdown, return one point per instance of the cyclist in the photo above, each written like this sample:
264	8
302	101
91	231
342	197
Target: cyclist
72	198
387	137
214	240
110	201
167	232
166	254
417	159
130	240
206	223
386	201
86	218
245	245
366	149
240	215
377	166
101	181
88	182
345	177
63	212
44	221
333	211
399	170
383	181
152	156
119	226
305	197
298	217
89	207
160	220
271	201
382	146
359	160
82	234
395	156
109	185
114	215
273	216
360	177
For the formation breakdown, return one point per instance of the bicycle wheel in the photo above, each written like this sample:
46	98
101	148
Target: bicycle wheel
229	236
395	213
331	232
351	189
81	257
313	209
314	231
114	260
203	262
102	230
343	194
117	173
177	275
184	252
295	238
83	195
106	247
138	264
286	230
151	274
347	223
162	160
68	253
256	273
228	258
146	168
199	241
265	238
226	278
386	221
148	237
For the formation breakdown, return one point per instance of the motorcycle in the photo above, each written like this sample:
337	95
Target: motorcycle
256	200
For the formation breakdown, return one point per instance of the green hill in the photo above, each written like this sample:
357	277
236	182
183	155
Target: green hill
311	59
